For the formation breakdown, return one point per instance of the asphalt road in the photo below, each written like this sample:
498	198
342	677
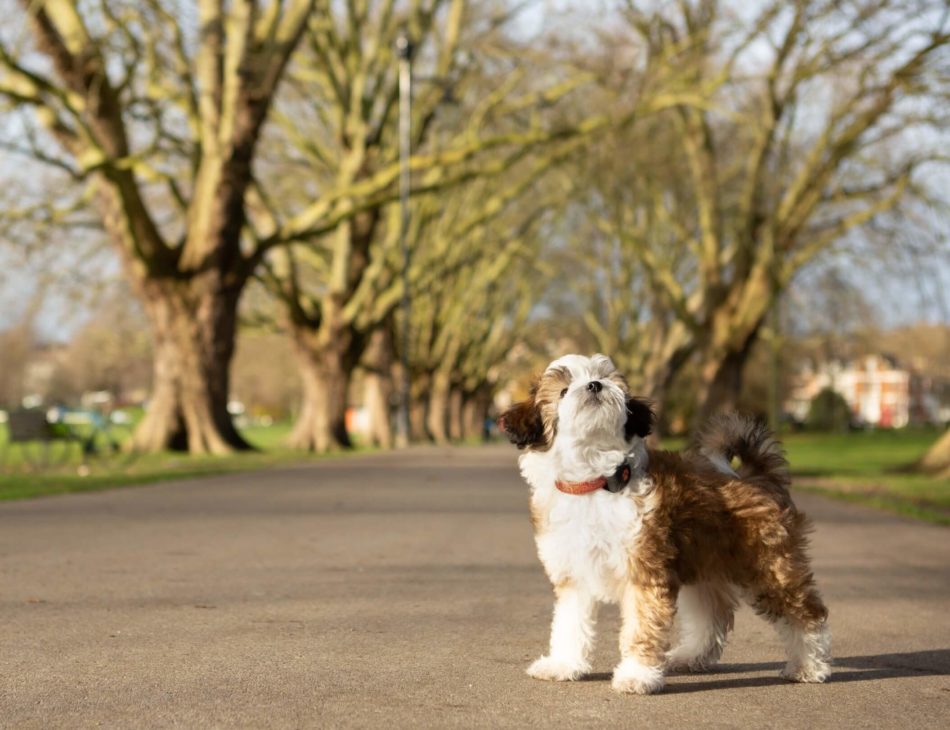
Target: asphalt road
402	590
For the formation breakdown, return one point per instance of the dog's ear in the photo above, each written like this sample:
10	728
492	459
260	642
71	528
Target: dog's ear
640	418
522	424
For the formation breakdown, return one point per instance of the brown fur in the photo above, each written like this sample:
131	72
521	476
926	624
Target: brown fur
700	526
707	527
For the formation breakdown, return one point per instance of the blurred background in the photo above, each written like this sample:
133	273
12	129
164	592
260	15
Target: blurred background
304	226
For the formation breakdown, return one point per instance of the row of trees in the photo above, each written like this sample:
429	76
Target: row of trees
157	111
660	179
817	120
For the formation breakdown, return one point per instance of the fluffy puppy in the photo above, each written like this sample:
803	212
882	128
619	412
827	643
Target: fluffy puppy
675	539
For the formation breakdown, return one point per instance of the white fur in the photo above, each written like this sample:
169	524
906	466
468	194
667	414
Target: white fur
552	669
572	636
808	652
586	540
634	677
701	634
589	440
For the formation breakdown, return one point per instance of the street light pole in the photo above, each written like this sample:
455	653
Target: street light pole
404	54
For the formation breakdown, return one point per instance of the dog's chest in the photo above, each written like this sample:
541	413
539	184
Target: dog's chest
587	539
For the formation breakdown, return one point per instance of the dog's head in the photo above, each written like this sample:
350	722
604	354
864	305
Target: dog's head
584	398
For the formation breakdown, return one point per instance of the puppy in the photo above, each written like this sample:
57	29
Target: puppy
675	539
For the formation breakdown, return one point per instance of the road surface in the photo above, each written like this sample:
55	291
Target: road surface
402	590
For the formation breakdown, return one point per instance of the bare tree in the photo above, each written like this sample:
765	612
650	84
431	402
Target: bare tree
478	115
483	279
156	109
329	289
802	139
471	312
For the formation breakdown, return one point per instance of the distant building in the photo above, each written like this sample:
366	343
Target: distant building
877	389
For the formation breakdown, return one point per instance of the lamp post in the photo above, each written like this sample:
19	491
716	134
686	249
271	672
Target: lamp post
404	56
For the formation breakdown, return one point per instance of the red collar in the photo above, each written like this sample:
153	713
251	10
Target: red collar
581	487
614	483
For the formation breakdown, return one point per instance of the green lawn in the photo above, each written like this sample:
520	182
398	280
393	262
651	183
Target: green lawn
871	468
18	481
867	467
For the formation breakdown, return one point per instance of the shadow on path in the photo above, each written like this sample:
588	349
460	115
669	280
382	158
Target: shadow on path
930	663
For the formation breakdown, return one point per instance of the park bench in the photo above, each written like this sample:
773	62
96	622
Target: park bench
41	442
83	434
29	426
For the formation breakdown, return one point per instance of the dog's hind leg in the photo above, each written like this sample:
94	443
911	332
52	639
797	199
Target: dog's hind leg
800	616
808	648
704	618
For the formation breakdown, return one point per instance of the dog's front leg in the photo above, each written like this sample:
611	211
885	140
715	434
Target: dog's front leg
647	612
572	635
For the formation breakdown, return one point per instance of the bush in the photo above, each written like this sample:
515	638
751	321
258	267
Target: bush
828	412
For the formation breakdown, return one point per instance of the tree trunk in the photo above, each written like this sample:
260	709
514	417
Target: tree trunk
471	428
325	373
418	407
193	327
378	387
937	459
657	379
657	391
456	429
330	345
720	382
475	407
438	416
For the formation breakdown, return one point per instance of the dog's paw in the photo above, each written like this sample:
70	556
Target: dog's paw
632	677
552	669
815	671
809	657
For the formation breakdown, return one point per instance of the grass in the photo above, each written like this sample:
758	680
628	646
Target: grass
871	468
17	481
867	467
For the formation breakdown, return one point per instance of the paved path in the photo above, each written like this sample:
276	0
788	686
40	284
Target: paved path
402	590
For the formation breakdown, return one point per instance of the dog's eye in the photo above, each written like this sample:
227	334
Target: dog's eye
564	392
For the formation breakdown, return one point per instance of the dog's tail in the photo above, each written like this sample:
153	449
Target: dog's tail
732	436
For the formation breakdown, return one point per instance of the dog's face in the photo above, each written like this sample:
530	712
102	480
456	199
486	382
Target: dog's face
583	398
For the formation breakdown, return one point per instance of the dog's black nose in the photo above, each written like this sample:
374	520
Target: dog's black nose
594	386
